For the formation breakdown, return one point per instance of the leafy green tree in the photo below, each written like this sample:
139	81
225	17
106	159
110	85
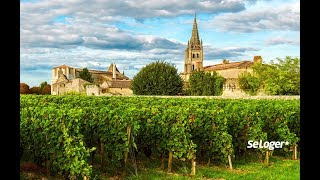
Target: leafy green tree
43	84
249	83
219	81
157	78
86	75
205	84
282	78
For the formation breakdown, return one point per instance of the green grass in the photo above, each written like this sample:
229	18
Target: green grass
279	168
246	168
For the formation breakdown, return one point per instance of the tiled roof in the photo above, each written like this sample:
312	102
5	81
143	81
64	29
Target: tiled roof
119	76
120	84
106	73
231	65
92	71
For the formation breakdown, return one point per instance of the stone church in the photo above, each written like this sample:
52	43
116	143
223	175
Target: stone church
229	70
65	79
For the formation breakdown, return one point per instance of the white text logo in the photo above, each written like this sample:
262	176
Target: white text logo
270	145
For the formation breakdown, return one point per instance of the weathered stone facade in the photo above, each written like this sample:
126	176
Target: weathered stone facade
64	85
64	80
193	53
120	91
93	89
231	71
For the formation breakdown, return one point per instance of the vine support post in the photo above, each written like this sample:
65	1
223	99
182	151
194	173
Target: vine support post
193	167
230	162
208	164
294	152
162	161
102	152
267	157
47	167
170	161
126	152
47	161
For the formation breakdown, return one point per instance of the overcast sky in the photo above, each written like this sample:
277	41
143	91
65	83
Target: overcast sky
133	33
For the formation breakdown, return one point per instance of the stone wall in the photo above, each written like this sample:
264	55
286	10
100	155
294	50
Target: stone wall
93	90
75	85
233	73
120	91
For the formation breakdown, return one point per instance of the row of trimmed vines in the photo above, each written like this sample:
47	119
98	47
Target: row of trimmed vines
66	133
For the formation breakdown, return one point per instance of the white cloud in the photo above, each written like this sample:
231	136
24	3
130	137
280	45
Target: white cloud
285	17
235	53
281	40
102	10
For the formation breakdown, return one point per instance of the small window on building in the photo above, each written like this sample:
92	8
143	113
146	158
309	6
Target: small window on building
192	67
192	55
197	55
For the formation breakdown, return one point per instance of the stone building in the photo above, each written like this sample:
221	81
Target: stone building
193	53
65	80
229	70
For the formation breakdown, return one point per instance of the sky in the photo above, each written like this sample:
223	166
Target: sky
134	33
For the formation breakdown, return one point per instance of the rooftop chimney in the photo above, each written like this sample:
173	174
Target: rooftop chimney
114	71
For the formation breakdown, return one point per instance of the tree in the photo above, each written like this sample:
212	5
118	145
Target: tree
248	83
86	75
282	78
24	88
218	88
157	78
205	84
46	89
43	84
35	90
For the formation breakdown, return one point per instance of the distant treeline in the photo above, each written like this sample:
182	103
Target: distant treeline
43	88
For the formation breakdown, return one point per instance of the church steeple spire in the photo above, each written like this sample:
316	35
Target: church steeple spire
195	35
193	53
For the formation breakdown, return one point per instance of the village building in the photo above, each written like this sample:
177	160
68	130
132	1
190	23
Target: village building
229	70
65	79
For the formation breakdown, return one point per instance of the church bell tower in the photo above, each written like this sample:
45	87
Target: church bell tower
194	52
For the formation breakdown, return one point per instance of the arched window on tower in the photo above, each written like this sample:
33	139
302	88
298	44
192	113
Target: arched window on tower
192	67
197	55
192	55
